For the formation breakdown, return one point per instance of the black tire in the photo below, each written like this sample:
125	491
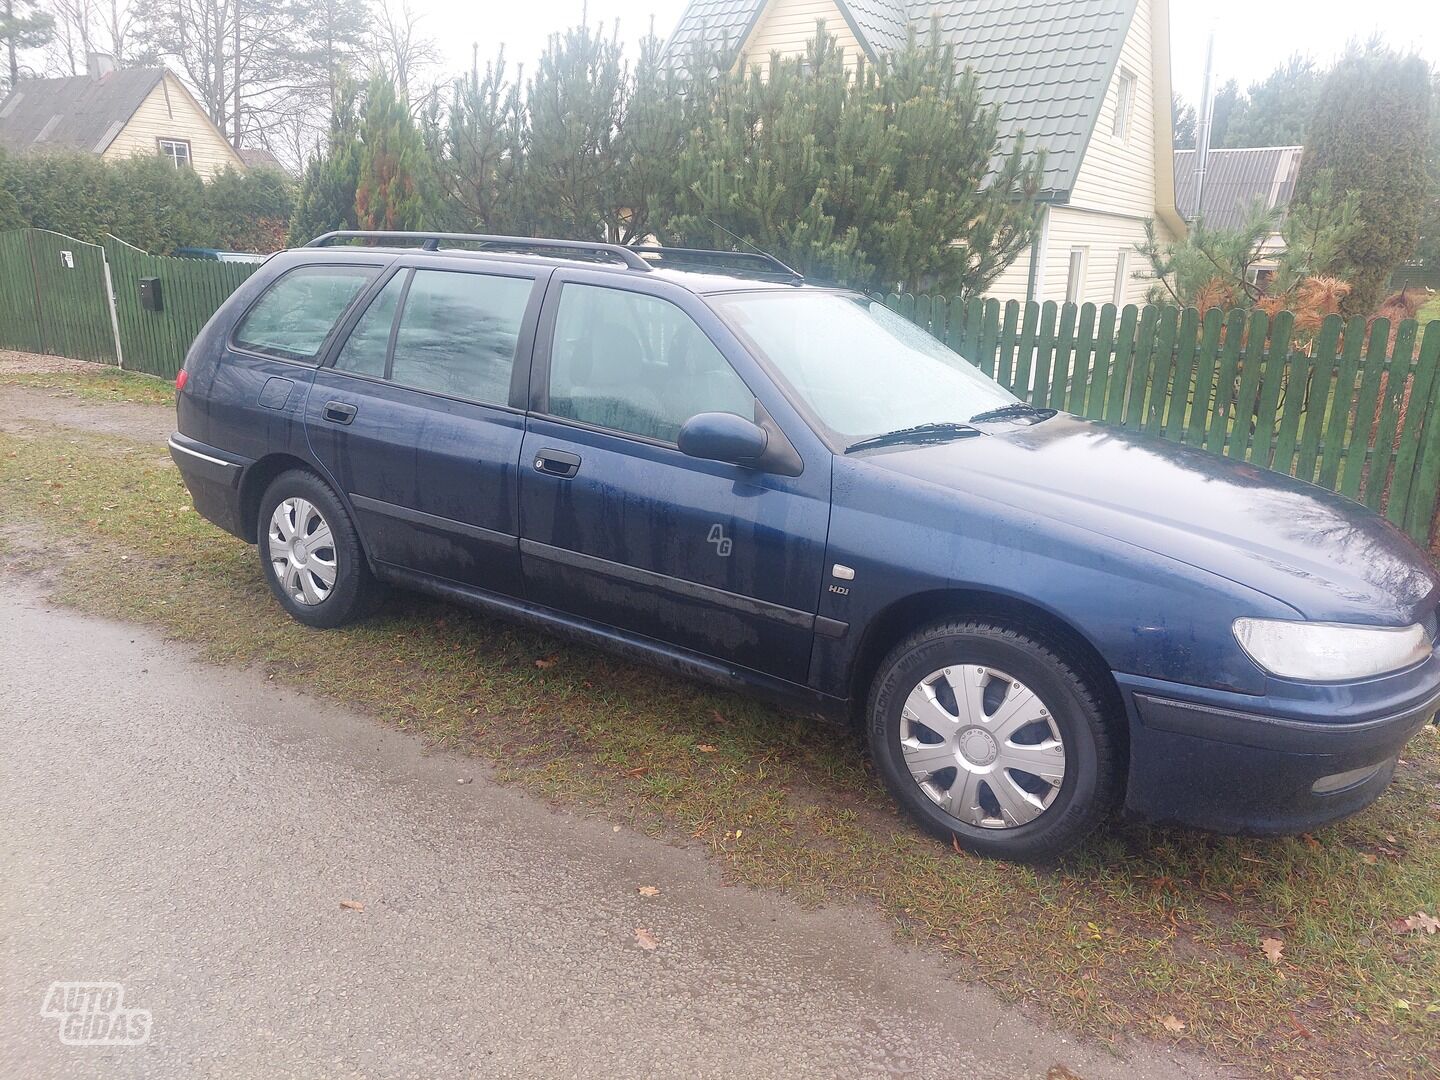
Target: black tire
1093	756
354	590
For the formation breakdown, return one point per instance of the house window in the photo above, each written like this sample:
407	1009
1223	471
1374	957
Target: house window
176	151
1124	104
1122	275
1075	280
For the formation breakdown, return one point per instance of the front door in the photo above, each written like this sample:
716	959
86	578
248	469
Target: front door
618	526
414	419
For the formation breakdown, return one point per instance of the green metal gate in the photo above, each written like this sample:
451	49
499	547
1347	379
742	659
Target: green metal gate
55	296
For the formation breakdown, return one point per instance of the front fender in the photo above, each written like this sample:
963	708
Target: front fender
1144	613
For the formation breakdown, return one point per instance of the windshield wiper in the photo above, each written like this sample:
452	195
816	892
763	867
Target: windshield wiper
918	433
1015	408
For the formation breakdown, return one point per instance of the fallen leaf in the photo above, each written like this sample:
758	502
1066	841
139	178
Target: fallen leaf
1173	1023
706	748
352	905
648	890
545	662
646	940
1272	948
1421	920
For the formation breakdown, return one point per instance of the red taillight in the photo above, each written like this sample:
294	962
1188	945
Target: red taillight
181	379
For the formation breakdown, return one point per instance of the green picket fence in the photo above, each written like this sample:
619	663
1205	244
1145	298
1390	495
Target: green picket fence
191	290
1358	410
53	296
62	296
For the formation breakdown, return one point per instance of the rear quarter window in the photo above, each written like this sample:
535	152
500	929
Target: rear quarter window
295	315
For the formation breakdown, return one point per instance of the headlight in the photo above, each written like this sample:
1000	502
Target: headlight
1330	652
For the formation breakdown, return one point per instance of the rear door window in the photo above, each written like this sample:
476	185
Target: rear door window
458	334
368	347
296	314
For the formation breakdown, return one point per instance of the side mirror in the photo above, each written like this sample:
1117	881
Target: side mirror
719	436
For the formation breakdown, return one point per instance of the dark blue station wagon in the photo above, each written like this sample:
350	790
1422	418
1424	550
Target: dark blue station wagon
698	460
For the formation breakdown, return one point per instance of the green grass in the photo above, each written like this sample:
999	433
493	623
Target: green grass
102	384
1140	925
1429	312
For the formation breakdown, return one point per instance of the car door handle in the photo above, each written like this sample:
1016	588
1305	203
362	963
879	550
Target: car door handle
339	412
557	463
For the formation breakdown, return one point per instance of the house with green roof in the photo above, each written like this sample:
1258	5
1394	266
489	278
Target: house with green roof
1086	80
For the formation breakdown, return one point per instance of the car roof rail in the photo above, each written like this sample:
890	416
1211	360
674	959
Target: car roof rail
430	241
630	256
771	263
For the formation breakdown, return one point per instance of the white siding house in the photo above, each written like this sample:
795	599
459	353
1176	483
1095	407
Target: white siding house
1087	81
115	112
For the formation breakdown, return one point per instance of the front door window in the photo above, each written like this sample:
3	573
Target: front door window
637	364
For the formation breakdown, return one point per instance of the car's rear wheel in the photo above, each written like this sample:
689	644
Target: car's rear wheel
995	738
310	552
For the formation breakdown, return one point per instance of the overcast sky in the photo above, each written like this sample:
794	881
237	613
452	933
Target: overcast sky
1252	36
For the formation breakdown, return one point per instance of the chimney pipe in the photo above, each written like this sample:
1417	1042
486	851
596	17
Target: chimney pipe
1202	131
99	64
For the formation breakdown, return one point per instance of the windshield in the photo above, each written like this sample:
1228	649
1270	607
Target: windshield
862	369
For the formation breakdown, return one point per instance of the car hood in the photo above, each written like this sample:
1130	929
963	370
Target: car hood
1328	557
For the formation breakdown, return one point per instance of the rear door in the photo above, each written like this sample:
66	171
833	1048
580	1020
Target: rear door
416	417
620	527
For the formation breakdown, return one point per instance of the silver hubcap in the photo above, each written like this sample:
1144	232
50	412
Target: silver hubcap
302	551
982	746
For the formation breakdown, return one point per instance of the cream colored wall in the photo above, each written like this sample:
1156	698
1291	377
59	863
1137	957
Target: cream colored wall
786	27
1114	192
1104	236
1119	174
1013	280
169	112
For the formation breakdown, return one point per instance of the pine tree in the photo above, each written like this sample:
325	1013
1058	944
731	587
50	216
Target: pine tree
879	178
1370	131
1183	122
1428	250
22	26
326	200
1229	102
393	191
574	104
1276	110
652	130
482	151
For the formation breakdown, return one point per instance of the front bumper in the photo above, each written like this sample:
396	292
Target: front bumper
1274	770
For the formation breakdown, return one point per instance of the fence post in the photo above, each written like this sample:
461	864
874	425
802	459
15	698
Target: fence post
1425	471
110	303
35	285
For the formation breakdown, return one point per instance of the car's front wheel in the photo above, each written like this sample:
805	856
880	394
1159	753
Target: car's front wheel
310	552
995	738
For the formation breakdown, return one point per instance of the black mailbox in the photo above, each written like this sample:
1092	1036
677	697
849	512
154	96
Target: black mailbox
150	294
